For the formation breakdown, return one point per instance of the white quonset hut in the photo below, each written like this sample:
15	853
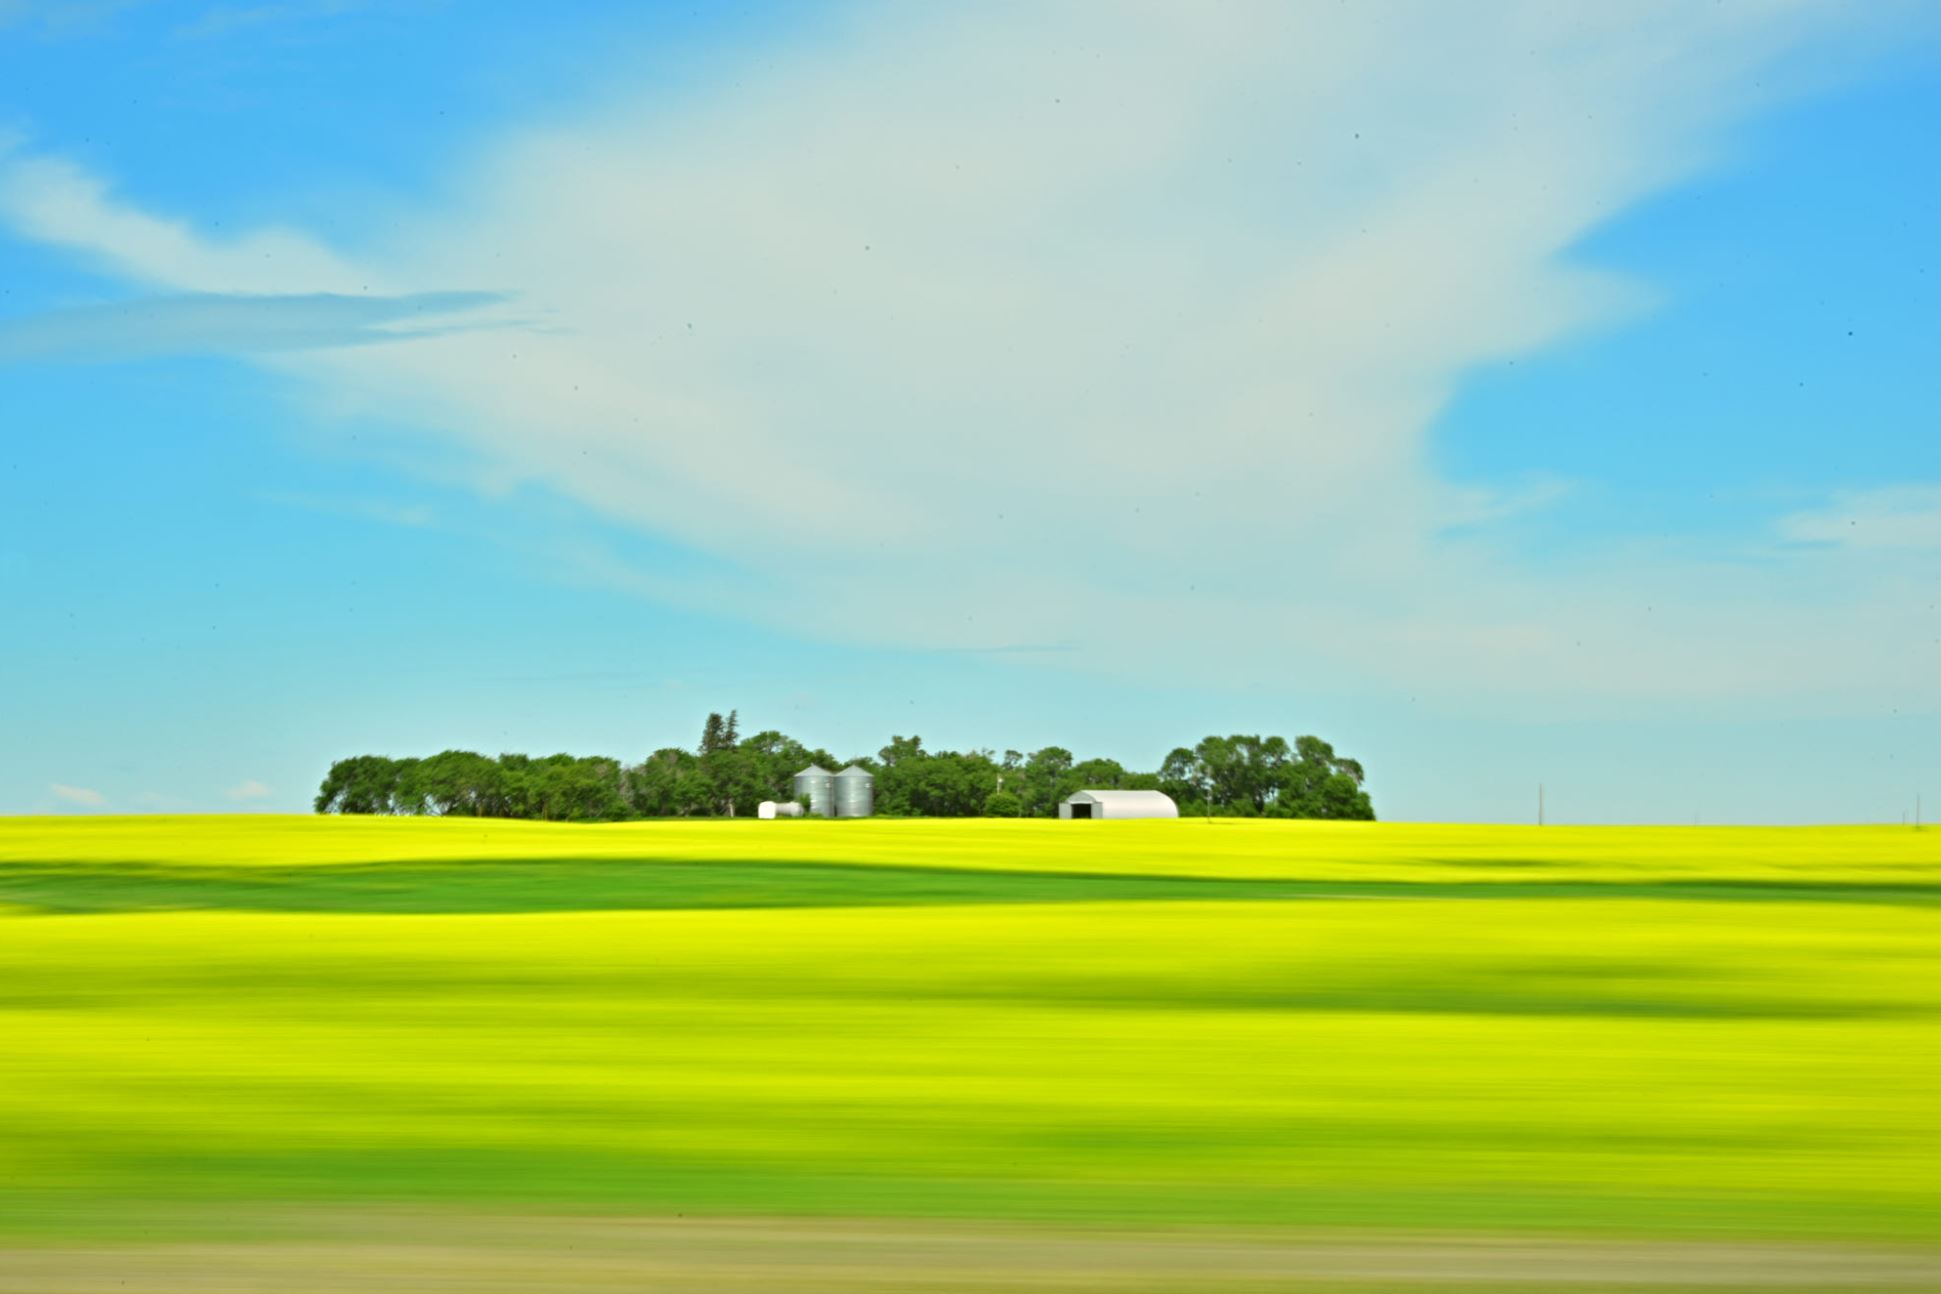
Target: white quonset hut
1118	804
772	809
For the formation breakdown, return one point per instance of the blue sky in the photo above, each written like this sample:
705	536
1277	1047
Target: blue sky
1531	397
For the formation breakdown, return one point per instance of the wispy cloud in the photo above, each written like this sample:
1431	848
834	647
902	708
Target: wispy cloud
247	790
235	325
1904	518
56	202
1124	330
85	796
64	18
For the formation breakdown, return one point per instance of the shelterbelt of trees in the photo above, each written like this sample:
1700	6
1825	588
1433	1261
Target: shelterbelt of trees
728	775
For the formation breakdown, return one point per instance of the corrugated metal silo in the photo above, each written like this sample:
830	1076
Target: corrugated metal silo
855	792
819	784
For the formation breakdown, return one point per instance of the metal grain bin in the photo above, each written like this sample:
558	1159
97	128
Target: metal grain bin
855	792
819	784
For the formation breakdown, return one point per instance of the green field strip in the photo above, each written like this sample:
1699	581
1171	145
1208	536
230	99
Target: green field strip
601	884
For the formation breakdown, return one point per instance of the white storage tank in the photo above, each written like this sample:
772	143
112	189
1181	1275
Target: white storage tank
855	792
819	784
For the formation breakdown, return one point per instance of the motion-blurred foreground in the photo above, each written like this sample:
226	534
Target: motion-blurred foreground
307	1053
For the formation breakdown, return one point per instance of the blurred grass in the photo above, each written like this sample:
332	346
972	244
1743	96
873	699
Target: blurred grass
1315	851
617	884
1039	1038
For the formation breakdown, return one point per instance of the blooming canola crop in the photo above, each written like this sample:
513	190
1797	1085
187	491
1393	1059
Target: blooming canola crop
1265	1025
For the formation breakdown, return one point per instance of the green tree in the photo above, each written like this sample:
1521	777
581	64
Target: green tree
900	748
1182	776
715	735
1317	783
913	782
1044	780
360	784
736	779
1250	775
1097	775
457	783
407	788
775	759
954	785
1242	774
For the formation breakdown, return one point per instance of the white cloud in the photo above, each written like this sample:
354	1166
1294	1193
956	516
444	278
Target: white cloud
81	795
63	18
1903	518
1118	328
235	325
54	201
249	789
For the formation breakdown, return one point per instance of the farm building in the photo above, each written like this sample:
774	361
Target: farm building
771	809
848	794
855	792
1118	804
819	784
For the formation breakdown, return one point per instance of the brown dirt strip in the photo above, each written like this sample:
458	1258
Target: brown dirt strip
483	1254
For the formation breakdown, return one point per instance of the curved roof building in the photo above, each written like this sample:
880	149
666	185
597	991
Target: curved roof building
1118	804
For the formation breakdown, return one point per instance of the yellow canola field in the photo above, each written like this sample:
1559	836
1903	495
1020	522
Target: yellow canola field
1648	1066
1232	848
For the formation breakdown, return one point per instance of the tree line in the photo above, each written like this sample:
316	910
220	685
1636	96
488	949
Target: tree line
727	775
